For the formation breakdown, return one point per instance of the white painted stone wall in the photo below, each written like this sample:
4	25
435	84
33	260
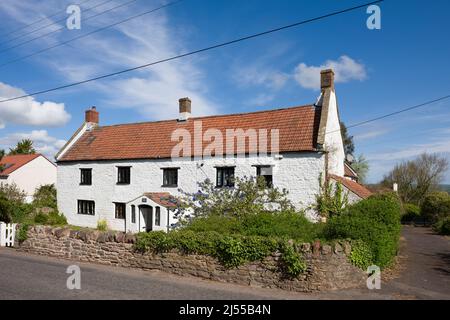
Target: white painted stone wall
297	172
32	175
333	139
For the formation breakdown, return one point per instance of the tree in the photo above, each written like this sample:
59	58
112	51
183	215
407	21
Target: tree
2	154
361	166
349	146
416	178
45	196
24	146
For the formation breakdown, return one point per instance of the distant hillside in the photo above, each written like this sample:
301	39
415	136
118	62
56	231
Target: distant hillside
445	187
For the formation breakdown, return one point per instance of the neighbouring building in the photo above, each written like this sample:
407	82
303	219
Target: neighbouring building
28	172
131	174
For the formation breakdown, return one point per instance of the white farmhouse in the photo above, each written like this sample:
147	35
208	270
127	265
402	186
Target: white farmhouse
28	172
131	174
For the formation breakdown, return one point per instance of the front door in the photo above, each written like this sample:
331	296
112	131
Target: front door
147	213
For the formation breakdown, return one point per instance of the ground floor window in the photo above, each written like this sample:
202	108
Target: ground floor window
120	210
266	173
133	214
225	177
86	207
158	216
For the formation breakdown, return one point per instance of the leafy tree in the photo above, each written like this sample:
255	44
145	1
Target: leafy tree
45	196
349	146
5	209
13	193
361	166
416	178
249	196
24	146
2	154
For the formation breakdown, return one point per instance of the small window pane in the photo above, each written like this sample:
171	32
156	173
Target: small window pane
133	214
123	175
225	177
86	177
86	207
170	177
120	211
158	216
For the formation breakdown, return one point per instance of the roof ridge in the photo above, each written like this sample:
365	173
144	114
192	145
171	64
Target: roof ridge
208	117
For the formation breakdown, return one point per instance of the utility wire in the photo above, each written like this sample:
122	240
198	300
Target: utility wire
42	19
358	124
50	24
89	33
61	28
223	44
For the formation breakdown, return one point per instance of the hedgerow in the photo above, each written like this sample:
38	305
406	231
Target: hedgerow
231	250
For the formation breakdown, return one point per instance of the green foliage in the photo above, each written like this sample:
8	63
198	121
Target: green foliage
230	250
22	233
376	221
13	193
442	226
361	167
45	197
293	263
332	200
410	212
361	255
102	225
289	224
53	219
5	209
24	146
249	196
349	146
436	206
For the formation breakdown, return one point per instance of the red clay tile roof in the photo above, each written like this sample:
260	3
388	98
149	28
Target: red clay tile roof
358	189
164	199
349	172
12	163
297	127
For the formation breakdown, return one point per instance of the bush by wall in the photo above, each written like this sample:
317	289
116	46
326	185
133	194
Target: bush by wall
230	250
410	213
436	206
376	222
442	226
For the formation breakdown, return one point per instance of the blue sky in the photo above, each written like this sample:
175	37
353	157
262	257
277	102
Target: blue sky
378	71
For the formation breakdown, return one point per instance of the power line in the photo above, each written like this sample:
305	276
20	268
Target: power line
42	19
50	24
223	44
90	33
59	29
392	113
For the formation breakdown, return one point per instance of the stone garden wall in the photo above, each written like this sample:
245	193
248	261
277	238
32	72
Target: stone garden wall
328	267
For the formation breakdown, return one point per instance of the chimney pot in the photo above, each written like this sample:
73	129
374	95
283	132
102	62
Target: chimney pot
327	79
185	109
92	115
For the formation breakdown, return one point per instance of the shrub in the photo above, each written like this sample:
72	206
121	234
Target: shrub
436	206
442	226
376	221
13	193
410	212
230	250
41	218
22	233
5	209
292	225
361	254
332	199
102	225
45	196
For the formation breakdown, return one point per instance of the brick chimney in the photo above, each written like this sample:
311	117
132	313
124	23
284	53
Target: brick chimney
185	109
326	79
92	115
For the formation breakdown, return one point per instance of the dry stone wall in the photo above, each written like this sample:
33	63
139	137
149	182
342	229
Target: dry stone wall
328	266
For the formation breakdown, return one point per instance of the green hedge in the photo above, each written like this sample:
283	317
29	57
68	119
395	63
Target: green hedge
436	206
410	213
442	226
230	250
376	222
291	225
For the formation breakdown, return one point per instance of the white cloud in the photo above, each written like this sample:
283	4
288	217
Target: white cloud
367	135
28	111
257	75
345	69
42	141
260	99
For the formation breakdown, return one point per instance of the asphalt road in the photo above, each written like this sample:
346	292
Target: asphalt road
425	274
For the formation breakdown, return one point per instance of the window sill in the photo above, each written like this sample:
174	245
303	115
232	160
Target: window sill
169	186
122	183
85	184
